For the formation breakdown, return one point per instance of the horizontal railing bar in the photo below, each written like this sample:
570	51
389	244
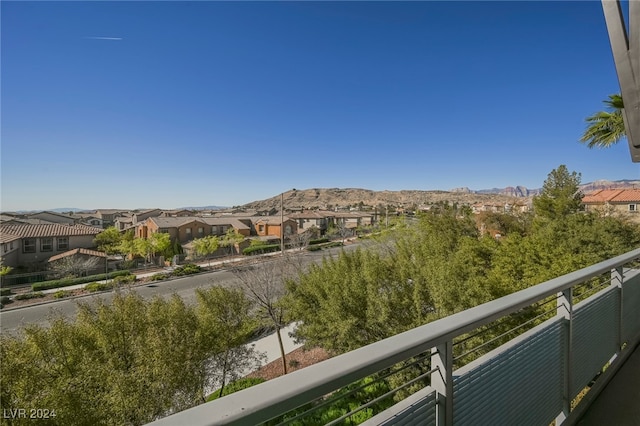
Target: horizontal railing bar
351	392
275	397
381	397
495	325
506	333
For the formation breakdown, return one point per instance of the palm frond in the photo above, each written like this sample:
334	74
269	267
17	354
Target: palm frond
605	128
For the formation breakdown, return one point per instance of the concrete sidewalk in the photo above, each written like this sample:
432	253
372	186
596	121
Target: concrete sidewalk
270	347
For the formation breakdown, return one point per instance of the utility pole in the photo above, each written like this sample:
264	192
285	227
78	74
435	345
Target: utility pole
282	223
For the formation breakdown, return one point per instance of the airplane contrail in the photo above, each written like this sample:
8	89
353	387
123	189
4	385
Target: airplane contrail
104	38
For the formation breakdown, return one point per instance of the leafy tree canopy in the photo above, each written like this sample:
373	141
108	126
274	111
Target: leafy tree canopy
560	194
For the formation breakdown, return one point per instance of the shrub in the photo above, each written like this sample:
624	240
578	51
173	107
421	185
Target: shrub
159	277
65	282
5	300
236	386
27	296
93	287
5	291
187	269
266	248
318	241
61	294
125	279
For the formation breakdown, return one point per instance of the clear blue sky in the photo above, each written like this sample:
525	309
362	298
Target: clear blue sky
170	104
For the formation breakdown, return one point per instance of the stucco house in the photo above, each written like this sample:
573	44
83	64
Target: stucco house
185	229
108	216
33	244
143	215
310	219
271	226
53	217
624	202
353	220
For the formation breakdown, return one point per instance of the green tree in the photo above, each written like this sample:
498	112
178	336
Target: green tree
4	270
352	300
225	325
605	128
127	244
128	362
206	246
231	238
560	194
109	241
159	243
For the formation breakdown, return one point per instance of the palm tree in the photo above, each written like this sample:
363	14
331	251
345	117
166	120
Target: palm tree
605	128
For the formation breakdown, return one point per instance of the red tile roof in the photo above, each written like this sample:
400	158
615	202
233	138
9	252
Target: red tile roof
48	230
627	195
612	196
77	251
7	238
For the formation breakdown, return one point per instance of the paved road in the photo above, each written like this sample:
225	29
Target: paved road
12	320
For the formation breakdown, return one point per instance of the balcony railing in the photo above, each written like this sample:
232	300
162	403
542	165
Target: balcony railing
568	331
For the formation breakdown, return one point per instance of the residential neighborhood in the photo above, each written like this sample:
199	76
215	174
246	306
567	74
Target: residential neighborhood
31	241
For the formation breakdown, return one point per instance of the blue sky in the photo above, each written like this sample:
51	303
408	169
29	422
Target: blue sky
170	104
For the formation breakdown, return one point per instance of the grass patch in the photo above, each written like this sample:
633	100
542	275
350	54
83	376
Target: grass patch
236	386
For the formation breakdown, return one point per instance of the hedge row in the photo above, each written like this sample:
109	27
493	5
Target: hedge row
5	291
64	282
267	248
318	241
27	296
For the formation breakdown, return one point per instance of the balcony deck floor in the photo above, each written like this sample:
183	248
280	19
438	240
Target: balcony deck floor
619	402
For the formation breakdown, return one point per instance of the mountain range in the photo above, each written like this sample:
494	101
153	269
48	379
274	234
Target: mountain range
335	197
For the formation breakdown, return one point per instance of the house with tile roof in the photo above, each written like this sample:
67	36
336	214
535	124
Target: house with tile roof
186	229
352	220
36	243
313	219
271	226
52	217
108	216
614	201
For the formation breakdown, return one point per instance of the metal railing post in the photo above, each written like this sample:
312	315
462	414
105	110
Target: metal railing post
565	310
617	278
442	382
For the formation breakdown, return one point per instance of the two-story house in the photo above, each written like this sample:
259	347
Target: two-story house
33	244
272	226
186	229
313	219
614	201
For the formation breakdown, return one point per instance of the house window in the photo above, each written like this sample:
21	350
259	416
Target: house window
11	245
29	245
4	247
163	230
46	244
188	232
633	208
260	228
214	230
200	231
63	243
